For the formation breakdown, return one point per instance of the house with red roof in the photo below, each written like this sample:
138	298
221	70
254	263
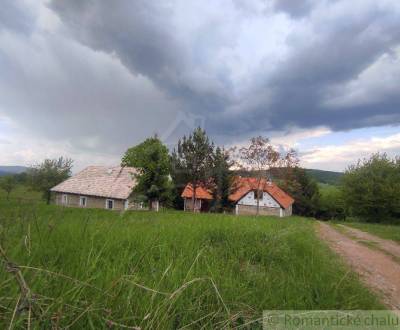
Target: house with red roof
245	193
203	198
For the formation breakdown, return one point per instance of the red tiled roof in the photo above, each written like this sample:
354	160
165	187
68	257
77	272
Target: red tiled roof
244	185
201	192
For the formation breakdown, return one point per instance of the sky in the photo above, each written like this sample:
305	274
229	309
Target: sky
88	79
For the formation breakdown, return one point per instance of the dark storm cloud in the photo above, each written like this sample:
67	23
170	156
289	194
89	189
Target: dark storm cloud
110	73
336	57
143	35
14	16
296	9
138	31
57	89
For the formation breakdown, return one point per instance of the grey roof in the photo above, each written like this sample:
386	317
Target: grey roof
113	182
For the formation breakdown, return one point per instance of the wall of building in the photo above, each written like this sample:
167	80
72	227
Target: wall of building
189	204
252	210
287	212
91	201
266	201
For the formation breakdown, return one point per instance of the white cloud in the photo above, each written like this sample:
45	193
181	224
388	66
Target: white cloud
295	136
338	157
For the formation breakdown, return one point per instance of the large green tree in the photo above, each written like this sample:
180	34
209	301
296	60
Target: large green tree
304	190
8	184
371	188
152	162
223	180
193	160
48	174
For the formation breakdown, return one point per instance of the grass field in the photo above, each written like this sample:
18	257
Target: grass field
96	268
22	194
384	231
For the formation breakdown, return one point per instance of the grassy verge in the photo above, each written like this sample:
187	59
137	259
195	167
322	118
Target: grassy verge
384	231
95	268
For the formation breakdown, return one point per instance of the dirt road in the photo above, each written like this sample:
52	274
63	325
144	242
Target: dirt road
385	245
377	269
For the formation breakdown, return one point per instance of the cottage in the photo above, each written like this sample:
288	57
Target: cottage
245	192
202	201
98	187
272	199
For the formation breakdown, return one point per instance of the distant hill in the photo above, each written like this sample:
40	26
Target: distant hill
7	170
322	176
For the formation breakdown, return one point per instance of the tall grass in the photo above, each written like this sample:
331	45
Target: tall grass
99	269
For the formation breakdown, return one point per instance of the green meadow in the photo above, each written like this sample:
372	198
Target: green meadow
89	268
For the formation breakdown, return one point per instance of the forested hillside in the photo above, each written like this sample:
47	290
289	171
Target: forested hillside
6	170
322	176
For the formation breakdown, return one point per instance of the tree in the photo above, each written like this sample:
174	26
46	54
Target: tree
194	159
331	205
260	157
8	184
152	161
48	174
222	179
371	188
180	178
305	192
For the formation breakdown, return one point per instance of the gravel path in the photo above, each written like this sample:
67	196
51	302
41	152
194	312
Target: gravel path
377	270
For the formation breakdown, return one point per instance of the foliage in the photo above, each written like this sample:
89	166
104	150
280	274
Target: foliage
305	192
326	177
331	204
98	269
180	177
193	160
48	174
223	179
8	184
371	188
21	178
152	161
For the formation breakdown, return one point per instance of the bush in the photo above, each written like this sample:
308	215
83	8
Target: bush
305	192
371	189
331	203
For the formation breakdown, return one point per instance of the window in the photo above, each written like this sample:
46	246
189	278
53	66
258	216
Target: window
64	199
82	201
258	194
109	204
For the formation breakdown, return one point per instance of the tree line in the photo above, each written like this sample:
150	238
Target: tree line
198	162
368	190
